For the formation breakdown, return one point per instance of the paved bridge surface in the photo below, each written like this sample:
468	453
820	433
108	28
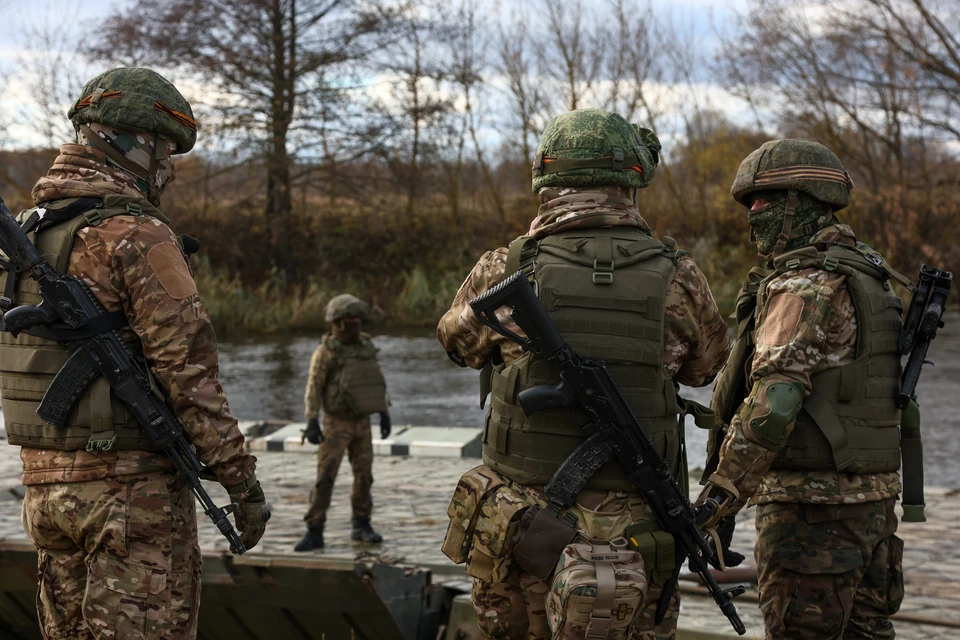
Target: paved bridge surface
410	500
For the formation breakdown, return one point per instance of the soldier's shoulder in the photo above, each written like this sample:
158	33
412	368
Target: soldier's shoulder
809	280
142	229
689	276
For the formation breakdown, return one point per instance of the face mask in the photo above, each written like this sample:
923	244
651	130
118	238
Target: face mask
346	330
138	148
766	223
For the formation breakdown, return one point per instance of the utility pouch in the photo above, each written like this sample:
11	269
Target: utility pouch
542	538
657	547
472	489
597	591
490	557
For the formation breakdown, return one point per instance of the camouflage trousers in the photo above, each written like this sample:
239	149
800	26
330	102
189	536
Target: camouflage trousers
829	571
350	436
118	558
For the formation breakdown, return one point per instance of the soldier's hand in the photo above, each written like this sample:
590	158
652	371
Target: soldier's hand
313	433
730	557
253	511
384	425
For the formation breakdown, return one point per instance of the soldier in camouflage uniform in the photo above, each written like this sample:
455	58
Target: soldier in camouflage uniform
617	295
114	525
809	398
345	381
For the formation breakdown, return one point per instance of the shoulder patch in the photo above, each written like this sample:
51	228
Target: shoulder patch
171	269
783	316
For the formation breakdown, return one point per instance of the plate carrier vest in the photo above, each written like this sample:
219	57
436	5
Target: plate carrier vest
605	289
28	363
850	422
356	386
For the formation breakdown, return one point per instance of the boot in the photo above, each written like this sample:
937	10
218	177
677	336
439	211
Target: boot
312	539
364	532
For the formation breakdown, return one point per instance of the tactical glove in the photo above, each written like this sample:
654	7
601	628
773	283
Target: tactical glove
252	512
725	534
384	425
313	434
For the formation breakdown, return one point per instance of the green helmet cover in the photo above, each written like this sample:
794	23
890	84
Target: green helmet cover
803	165
594	148
137	99
346	305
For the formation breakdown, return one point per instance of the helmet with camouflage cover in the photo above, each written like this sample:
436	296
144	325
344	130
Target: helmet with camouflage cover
792	188
136	99
802	165
592	148
346	305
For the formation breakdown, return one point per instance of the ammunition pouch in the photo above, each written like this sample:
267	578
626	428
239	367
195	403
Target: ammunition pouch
484	517
658	548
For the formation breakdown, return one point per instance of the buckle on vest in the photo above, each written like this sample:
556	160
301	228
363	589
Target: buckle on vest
134	209
830	263
93	217
793	263
603	272
5	303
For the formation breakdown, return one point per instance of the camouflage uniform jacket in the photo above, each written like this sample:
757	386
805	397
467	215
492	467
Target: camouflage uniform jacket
134	264
696	340
323	367
793	342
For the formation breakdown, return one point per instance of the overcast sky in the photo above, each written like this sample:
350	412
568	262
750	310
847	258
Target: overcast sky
88	19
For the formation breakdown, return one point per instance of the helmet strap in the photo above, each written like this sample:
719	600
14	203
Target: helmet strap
788	214
159	153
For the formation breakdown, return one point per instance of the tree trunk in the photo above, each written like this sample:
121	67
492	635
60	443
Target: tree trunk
279	200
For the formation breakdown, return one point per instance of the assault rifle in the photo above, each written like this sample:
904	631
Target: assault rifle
613	430
920	324
68	311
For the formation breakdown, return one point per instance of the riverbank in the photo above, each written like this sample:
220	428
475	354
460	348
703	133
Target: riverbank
415	299
411	496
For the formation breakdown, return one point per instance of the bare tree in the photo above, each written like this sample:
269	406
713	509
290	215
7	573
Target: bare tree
857	83
517	64
469	40
258	59
572	52
417	77
48	58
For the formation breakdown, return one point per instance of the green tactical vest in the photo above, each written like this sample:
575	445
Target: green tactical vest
28	364
849	423
356	385
605	289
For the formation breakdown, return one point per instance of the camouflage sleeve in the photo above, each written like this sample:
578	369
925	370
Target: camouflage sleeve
696	340
316	381
164	309
791	343
467	342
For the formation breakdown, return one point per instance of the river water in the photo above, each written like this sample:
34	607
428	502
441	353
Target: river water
265	378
